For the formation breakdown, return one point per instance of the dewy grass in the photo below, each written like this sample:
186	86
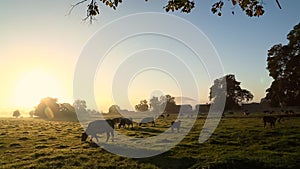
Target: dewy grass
238	142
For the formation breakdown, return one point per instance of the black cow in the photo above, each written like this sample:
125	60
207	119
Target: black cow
269	119
147	120
99	127
125	121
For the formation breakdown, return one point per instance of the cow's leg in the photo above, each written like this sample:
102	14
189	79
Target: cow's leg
96	138
265	123
112	136
107	136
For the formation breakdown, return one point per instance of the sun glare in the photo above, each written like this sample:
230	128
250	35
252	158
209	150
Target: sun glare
35	85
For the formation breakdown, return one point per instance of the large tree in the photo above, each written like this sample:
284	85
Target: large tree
16	113
48	108
163	103
284	68
250	7
142	106
114	109
234	94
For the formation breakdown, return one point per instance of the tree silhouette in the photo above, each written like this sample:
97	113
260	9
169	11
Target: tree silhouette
169	103
250	7
80	106
156	105
46	108
114	109
16	113
234	95
31	113
142	106
284	68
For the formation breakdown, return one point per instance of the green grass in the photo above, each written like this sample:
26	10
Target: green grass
238	142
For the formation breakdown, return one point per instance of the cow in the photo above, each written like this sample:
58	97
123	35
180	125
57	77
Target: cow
175	124
269	119
125	121
147	120
117	120
99	127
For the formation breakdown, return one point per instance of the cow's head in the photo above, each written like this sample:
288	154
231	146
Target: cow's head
84	136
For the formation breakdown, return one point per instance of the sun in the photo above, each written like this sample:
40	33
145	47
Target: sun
35	85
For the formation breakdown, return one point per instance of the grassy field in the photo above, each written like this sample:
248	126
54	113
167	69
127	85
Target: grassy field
238	142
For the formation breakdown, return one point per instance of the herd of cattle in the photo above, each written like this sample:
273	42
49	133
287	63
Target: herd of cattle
108	126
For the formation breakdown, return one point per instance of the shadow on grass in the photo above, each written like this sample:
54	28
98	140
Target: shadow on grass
166	160
144	129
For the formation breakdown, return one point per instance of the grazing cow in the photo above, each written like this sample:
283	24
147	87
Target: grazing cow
175	124
99	127
147	120
125	121
269	119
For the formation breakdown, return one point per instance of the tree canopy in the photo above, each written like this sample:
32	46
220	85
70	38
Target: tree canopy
252	8
16	113
48	108
114	109
142	106
235	95
284	68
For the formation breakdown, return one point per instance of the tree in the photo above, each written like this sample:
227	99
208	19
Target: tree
169	103
114	109
234	95
284	68
46	108
163	103
156	104
142	106
80	106
250	7
16	113
66	111
31	113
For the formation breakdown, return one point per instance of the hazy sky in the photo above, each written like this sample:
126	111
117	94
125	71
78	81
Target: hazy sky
40	45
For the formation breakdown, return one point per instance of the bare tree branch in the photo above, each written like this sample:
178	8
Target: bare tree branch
278	4
74	5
